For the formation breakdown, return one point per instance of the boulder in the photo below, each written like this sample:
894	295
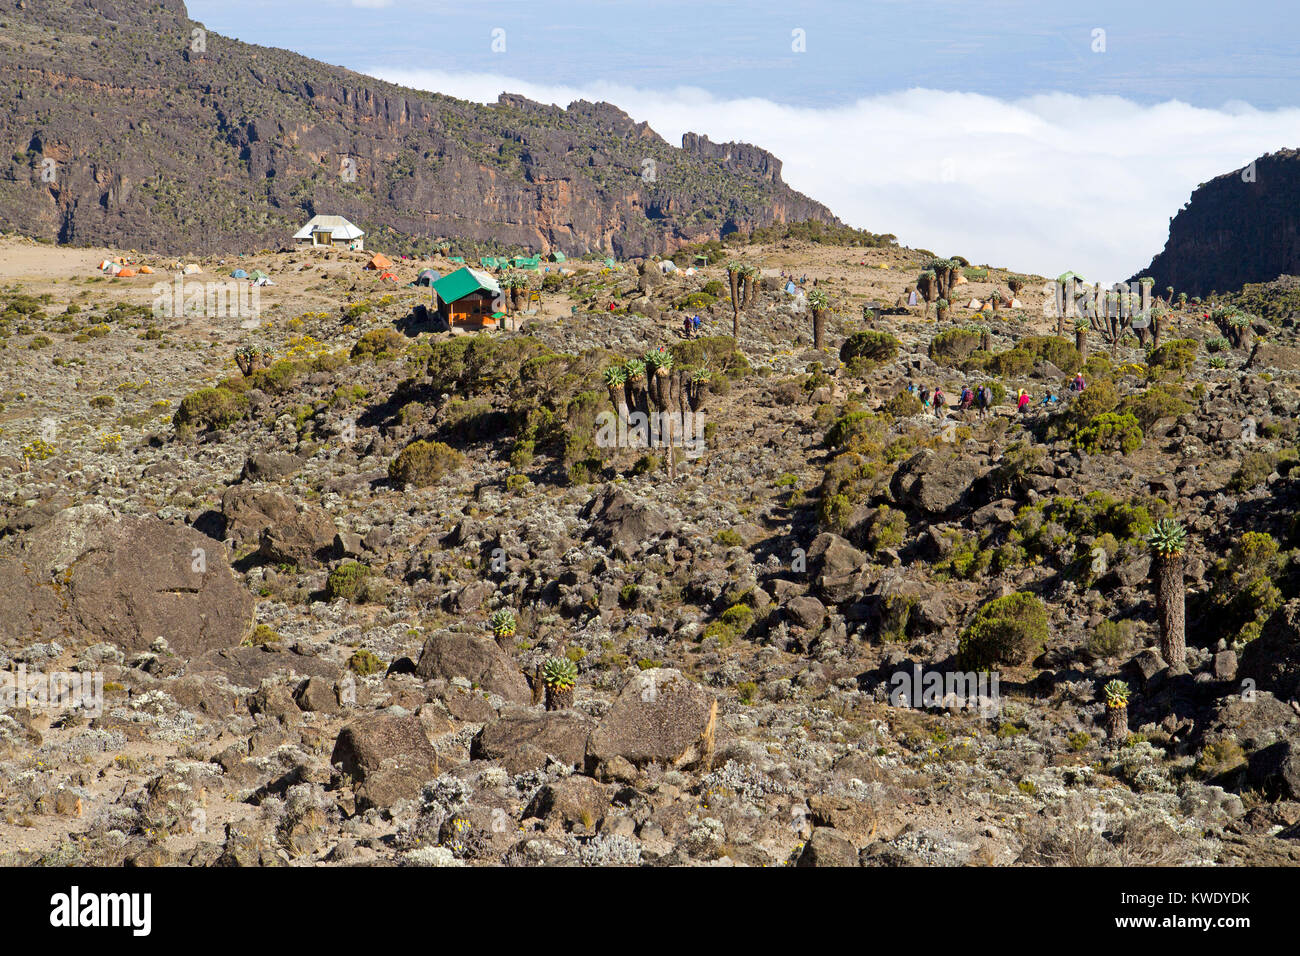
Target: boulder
523	737
827	847
618	521
1276	769
479	660
572	801
806	612
305	539
1272	660
388	757
88	576
836	567
659	717
270	465
246	511
934	482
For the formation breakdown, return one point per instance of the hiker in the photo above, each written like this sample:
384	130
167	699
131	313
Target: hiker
1048	399
1078	384
940	401
696	324
1022	401
911	388
925	398
967	399
985	400
687	326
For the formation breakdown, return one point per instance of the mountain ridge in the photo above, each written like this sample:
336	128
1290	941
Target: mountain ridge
162	132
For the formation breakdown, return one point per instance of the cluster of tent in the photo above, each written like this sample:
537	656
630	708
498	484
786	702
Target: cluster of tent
118	269
383	265
257	276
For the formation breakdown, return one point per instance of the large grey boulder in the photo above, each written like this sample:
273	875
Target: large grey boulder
659	717
88	576
934	482
523	738
479	660
619	522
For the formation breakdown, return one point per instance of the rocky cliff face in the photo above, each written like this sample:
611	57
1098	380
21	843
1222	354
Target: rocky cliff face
1239	227
128	123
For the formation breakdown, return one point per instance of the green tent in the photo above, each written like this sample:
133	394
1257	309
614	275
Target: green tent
459	259
559	257
527	262
610	263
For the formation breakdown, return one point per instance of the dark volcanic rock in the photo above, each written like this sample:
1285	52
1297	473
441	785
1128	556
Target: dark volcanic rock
1237	228
934	482
478	659
659	717
87	576
1272	660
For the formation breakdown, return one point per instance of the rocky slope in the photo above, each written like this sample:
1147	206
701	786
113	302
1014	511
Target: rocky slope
736	633
1237	228
161	133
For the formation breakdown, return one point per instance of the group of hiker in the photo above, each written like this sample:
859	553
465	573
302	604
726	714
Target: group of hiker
691	326
981	399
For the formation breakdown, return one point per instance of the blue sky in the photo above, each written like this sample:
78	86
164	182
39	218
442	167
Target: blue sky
1038	135
1206	54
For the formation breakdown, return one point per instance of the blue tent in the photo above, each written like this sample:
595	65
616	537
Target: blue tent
790	289
428	277
239	274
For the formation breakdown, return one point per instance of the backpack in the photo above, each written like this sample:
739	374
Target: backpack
986	397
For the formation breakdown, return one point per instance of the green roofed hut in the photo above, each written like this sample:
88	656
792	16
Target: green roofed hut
468	297
558	256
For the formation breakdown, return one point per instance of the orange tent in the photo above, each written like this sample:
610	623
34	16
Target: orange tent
379	261
146	271
389	276
126	273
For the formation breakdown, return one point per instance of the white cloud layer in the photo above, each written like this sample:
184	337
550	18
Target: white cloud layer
1041	184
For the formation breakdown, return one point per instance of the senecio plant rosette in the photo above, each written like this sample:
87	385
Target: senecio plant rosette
1116	693
503	622
560	675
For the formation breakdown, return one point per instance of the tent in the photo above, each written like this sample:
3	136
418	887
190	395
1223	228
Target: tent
791	288
428	277
146	271
258	274
387	277
112	268
558	257
913	298
611	264
459	260
974	304
239	274
192	269
379	261
667	266
125	273
265	280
